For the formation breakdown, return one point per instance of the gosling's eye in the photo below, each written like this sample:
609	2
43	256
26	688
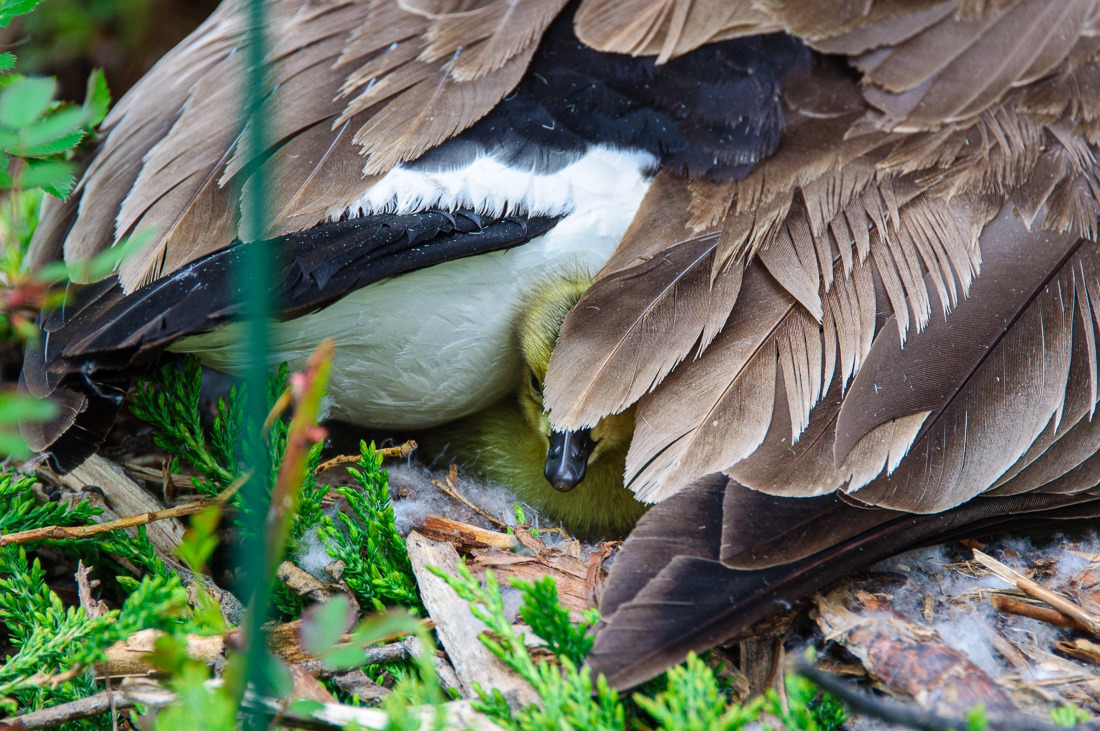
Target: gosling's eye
536	384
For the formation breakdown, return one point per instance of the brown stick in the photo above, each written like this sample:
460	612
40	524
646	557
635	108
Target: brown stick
468	536
387	452
93	705
1063	604
1009	605
130	521
450	489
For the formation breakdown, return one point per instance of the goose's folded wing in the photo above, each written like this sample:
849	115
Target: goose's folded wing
359	86
670	592
858	242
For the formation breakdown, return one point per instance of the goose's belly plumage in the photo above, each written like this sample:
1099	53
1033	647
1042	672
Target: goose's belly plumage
431	346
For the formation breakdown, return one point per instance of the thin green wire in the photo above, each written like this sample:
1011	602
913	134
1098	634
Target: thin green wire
256	268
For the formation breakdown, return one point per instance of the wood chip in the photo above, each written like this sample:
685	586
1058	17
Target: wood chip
567	569
457	715
124	497
356	683
131	657
303	583
906	658
465	536
457	628
1080	649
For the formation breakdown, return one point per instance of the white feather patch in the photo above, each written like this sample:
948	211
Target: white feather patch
488	186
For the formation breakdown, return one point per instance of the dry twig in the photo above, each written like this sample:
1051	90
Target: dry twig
1061	603
131	521
93	705
387	452
1008	605
450	488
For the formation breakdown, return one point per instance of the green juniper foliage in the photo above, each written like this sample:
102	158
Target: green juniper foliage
807	708
549	620
376	562
570	698
50	638
689	697
170	402
693	701
19	510
1070	715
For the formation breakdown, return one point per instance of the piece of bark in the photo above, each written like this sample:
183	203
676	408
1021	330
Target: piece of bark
1080	649
307	687
596	577
464	535
907	658
357	683
303	583
564	565
125	497
762	664
92	607
131	657
457	628
63	713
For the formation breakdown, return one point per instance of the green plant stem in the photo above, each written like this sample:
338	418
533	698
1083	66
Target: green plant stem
257	306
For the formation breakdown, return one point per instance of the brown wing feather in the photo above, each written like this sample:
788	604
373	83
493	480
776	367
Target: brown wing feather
651	290
485	39
434	79
667	28
324	54
135	125
317	174
672	594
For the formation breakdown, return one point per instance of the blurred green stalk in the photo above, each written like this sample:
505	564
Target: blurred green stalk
256	269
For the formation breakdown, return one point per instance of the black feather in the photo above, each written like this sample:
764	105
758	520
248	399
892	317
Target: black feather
102	338
711	113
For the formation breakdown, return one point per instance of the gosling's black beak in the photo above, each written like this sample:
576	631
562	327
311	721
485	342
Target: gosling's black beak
568	458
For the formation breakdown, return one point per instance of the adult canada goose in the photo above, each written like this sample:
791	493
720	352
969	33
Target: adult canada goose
854	306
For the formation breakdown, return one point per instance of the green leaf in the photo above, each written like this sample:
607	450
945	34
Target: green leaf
61	189
46	147
325	624
97	99
12	445
24	101
56	132
201	539
305	707
22	407
7	62
11	8
381	626
46	174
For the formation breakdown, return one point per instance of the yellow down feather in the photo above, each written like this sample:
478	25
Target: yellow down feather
507	443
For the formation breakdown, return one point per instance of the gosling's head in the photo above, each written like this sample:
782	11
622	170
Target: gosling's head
570	455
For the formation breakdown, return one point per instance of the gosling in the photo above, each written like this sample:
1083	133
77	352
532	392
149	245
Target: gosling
572	477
